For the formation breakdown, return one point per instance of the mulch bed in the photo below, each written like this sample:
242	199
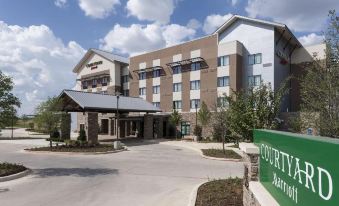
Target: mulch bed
229	154
7	169
227	192
63	148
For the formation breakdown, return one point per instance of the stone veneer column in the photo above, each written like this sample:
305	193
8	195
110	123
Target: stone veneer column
91	127
148	126
160	127
251	173
65	126
128	128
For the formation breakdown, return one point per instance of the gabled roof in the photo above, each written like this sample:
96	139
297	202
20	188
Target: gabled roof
282	28
107	55
78	101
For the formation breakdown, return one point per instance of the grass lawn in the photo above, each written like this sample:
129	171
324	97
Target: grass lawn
63	148
10	169
230	154
220	193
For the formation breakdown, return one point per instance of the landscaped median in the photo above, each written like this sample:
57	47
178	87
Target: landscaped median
80	148
220	193
9	171
221	154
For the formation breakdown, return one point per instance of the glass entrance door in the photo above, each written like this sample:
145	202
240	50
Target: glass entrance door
185	128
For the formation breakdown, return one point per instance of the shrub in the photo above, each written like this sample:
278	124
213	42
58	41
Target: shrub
55	134
82	135
198	131
31	125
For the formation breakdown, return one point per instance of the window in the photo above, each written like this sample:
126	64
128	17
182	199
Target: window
142	75
94	83
195	66
142	91
223	61
125	92
177	87
254	80
223	81
195	85
84	84
222	102
176	104
254	59
124	79
156	89
177	69
104	81
156	104
156	73
195	103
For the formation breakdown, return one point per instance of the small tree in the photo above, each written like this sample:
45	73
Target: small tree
7	100
320	84
204	115
82	135
175	119
24	119
255	108
220	124
48	114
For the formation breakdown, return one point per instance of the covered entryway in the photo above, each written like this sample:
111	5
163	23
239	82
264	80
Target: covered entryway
121	123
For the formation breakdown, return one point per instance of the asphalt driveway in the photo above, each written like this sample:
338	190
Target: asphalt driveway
147	174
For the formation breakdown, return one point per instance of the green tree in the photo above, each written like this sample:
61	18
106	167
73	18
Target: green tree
48	115
219	123
320	84
8	101
255	108
24	119
204	115
175	119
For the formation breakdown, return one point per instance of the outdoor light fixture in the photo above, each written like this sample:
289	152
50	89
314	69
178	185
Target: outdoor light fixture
118	96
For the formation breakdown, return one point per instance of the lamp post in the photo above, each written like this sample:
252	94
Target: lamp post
196	114
118	96
12	122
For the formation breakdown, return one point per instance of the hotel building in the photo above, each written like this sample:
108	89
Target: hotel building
243	52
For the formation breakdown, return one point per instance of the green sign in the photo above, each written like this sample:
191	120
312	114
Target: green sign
299	169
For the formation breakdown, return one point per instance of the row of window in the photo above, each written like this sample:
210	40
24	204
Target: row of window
94	82
195	103
194	85
252	59
155	74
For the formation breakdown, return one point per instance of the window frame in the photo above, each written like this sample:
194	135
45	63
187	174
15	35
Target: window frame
177	69
194	66
142	91
142	75
222	62
224	82
192	106
174	104
156	89
175	87
196	85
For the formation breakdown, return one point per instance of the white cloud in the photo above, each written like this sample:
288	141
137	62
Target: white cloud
137	38
311	39
194	24
214	21
175	34
152	10
234	2
39	62
60	3
299	15
98	9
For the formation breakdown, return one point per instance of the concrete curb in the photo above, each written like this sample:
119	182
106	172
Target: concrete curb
204	156
15	176
221	159
74	153
193	196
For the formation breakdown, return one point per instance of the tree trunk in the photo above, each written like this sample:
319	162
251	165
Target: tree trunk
223	140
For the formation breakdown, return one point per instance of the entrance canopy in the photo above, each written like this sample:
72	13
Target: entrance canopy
78	101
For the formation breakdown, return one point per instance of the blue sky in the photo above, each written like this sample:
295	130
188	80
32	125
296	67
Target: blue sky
42	40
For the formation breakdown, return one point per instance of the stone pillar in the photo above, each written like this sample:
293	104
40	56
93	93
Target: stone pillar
65	126
148	126
122	129
91	127
251	172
